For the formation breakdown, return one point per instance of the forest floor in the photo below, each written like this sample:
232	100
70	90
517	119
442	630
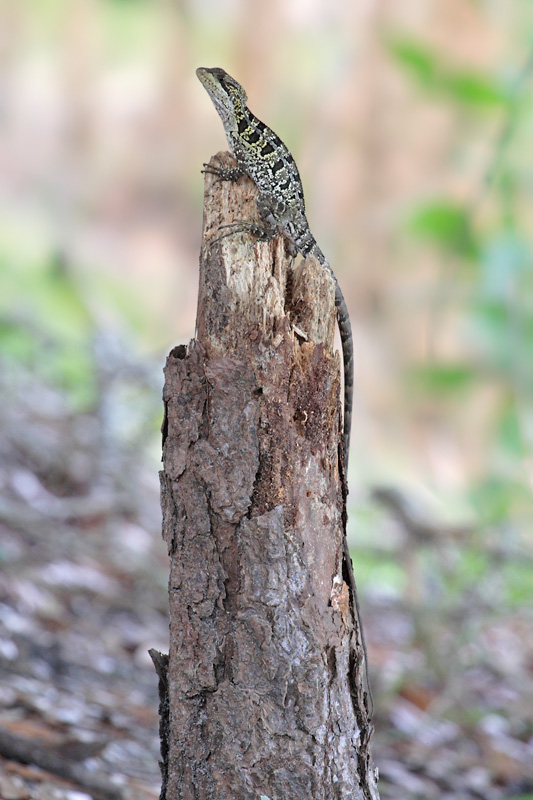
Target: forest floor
83	598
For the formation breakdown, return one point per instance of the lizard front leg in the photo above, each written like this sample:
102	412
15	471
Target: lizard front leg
266	229
223	172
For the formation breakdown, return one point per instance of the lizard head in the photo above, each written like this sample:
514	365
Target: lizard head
227	95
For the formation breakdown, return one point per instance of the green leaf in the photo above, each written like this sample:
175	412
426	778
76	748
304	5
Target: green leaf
446	224
415	57
442	378
473	89
434	74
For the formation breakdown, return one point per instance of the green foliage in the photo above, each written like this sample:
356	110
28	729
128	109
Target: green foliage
495	322
129	26
415	57
518	581
381	572
45	324
442	379
498	497
471	569
445	224
474	90
435	75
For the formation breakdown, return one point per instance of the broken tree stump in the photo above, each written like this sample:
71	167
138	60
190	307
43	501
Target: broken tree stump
265	676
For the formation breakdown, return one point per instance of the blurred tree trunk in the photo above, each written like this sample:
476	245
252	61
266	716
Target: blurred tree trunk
264	680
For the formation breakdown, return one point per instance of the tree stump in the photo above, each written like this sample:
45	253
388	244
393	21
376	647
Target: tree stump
265	674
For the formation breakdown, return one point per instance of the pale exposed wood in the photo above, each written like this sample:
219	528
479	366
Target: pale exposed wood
265	674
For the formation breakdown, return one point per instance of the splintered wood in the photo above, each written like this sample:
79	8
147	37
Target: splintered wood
265	675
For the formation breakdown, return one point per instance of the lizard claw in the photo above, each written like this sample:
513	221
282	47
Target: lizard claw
263	234
222	172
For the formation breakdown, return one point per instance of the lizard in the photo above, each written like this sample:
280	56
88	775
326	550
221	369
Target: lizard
262	156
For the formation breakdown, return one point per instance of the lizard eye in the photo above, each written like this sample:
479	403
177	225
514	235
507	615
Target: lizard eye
234	89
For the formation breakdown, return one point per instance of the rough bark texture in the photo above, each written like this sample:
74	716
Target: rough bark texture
265	674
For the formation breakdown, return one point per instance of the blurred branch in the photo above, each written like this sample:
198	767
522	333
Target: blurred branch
407	513
421	530
60	760
20	516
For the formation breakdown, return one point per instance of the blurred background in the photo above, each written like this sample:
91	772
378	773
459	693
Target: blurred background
411	124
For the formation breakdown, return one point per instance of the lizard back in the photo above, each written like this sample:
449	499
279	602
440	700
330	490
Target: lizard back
262	155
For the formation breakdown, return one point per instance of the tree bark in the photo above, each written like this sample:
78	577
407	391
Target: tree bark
265	672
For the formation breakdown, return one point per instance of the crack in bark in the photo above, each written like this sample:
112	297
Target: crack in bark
264	696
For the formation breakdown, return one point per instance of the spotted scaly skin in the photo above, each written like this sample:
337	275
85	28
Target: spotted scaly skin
262	155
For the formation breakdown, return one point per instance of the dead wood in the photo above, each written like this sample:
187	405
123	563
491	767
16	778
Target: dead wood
265	675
